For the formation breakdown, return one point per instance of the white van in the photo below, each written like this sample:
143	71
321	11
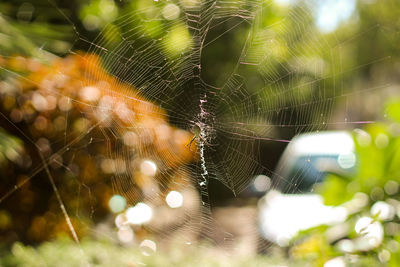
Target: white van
291	206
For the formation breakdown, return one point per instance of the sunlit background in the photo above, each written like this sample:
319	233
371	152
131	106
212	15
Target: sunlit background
199	133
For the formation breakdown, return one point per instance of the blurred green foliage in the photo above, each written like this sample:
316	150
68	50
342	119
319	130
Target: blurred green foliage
378	153
103	253
370	235
11	149
33	29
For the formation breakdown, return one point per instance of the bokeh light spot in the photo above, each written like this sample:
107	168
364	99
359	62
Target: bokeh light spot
148	247
171	12
148	168
347	161
125	234
117	203
381	140
139	214
174	199
262	183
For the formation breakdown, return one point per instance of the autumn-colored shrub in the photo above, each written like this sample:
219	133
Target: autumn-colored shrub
92	133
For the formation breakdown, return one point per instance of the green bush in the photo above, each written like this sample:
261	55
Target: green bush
371	233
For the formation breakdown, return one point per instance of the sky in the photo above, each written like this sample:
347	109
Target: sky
329	13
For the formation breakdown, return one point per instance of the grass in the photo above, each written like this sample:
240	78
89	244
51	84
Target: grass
64	252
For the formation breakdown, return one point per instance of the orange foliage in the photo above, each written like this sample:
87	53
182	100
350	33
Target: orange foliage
94	131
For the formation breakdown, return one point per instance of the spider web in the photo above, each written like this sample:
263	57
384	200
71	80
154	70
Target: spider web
230	116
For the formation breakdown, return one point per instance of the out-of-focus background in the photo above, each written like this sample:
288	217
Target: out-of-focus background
200	133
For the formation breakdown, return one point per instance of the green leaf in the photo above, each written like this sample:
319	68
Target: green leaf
393	109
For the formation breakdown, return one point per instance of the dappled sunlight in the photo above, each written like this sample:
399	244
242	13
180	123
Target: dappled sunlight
199	133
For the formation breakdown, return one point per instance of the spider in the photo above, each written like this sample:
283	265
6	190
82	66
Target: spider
198	135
